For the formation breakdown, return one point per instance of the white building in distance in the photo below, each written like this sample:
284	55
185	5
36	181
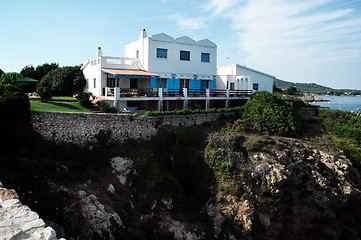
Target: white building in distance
237	77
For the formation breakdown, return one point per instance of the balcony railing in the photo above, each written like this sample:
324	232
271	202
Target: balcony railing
164	92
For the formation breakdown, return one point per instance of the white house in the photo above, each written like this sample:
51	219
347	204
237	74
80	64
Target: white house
179	62
161	72
237	77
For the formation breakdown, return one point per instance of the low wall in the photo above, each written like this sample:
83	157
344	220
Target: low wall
80	128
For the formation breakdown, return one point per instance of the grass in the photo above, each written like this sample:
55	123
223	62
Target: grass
57	107
63	98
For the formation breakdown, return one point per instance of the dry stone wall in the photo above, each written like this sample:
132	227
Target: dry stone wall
80	128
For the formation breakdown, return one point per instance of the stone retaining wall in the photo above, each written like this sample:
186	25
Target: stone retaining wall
17	221
80	128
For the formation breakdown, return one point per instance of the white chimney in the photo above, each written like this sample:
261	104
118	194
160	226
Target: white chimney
143	34
99	52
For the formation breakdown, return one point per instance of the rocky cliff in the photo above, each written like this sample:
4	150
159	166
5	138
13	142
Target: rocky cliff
286	188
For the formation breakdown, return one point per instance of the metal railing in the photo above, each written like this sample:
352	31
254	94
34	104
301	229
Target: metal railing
154	92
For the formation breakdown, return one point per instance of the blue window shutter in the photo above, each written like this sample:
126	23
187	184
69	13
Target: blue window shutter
212	84
171	83
176	83
192	84
153	82
198	84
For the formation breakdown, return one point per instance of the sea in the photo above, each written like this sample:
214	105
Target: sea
343	103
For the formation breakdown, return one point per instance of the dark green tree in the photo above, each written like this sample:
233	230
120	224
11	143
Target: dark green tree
30	72
1	72
44	69
44	89
9	78
68	81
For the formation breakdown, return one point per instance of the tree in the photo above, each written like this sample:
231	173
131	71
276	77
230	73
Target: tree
30	72
44	69
68	81
44	89
1	72
9	78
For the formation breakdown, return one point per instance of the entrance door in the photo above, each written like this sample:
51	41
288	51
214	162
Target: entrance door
133	83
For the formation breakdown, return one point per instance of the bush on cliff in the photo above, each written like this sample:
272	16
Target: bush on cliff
345	128
266	112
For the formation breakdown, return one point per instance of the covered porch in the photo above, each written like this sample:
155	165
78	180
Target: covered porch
129	81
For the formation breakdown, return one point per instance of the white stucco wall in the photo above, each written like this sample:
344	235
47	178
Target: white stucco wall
243	78
173	64
93	71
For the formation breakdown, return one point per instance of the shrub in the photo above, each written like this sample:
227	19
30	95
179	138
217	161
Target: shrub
44	89
105	107
84	99
266	112
14	104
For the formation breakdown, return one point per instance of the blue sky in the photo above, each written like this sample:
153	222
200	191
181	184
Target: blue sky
301	41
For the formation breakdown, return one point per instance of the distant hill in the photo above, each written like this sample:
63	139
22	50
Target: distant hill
314	88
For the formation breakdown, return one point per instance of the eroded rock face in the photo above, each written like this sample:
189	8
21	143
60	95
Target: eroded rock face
122	167
295	191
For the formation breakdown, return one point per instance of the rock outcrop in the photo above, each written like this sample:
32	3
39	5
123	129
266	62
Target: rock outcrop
294	191
17	221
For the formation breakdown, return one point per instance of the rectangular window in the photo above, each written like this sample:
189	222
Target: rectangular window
162	53
205	57
185	55
95	80
98	61
137	54
232	86
255	86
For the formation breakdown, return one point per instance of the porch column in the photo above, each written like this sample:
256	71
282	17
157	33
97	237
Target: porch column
185	101
208	100
160	101
227	98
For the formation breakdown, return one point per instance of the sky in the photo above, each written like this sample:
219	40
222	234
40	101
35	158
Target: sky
303	41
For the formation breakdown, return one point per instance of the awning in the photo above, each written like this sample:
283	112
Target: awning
129	73
26	80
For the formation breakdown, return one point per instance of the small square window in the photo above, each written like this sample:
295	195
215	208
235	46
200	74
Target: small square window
185	55
205	57
255	86
162	53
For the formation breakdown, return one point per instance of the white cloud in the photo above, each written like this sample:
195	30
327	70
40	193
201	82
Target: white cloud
188	24
277	34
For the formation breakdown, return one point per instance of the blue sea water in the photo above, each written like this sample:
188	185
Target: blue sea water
343	103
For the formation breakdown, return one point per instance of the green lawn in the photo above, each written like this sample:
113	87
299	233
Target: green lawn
57	107
63	98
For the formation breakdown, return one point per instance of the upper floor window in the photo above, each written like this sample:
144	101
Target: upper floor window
185	55
162	53
205	57
137	54
95	82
